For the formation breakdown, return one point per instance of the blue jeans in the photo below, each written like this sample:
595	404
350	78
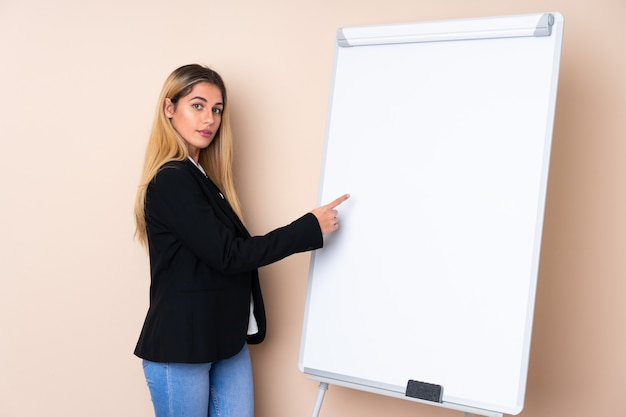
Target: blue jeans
218	389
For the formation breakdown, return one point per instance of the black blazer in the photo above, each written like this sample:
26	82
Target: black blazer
203	266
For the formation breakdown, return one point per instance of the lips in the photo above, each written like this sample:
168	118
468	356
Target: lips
205	133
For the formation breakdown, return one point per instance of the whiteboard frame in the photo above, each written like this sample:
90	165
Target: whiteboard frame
543	24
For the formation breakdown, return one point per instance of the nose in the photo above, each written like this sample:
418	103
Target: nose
209	117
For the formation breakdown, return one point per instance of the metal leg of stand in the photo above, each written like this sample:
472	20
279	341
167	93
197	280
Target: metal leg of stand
320	398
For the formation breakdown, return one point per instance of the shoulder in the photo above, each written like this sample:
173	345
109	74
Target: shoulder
175	168
183	166
173	173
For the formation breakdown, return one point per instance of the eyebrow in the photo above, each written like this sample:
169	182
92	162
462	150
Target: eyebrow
219	103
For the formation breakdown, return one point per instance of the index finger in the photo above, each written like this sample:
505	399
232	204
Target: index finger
338	201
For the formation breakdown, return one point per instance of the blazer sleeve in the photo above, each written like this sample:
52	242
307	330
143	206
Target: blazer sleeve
176	204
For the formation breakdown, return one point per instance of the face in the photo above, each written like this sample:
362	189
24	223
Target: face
197	116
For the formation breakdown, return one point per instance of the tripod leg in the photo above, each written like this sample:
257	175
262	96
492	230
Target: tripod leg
320	398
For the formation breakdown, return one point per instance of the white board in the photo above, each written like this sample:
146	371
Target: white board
441	133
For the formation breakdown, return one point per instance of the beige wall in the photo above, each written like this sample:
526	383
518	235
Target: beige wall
78	87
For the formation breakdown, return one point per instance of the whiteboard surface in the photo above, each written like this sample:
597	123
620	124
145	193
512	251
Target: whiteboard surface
444	148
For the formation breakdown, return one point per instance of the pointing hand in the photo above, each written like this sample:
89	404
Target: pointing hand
327	215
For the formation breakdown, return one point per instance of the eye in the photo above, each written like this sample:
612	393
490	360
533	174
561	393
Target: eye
217	110
197	106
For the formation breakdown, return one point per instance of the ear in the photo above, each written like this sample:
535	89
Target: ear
168	108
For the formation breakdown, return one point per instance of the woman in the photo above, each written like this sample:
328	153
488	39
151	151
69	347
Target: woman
205	298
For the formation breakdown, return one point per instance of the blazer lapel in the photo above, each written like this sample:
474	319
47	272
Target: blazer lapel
215	195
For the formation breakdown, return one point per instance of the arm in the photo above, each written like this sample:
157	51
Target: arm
180	214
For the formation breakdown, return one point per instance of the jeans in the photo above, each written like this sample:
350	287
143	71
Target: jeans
218	389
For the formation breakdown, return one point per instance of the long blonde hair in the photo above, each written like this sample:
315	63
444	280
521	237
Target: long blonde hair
165	144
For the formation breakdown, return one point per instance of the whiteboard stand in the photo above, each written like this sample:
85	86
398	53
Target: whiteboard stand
320	397
324	382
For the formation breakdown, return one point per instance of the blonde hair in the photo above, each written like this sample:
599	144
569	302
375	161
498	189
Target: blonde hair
165	144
